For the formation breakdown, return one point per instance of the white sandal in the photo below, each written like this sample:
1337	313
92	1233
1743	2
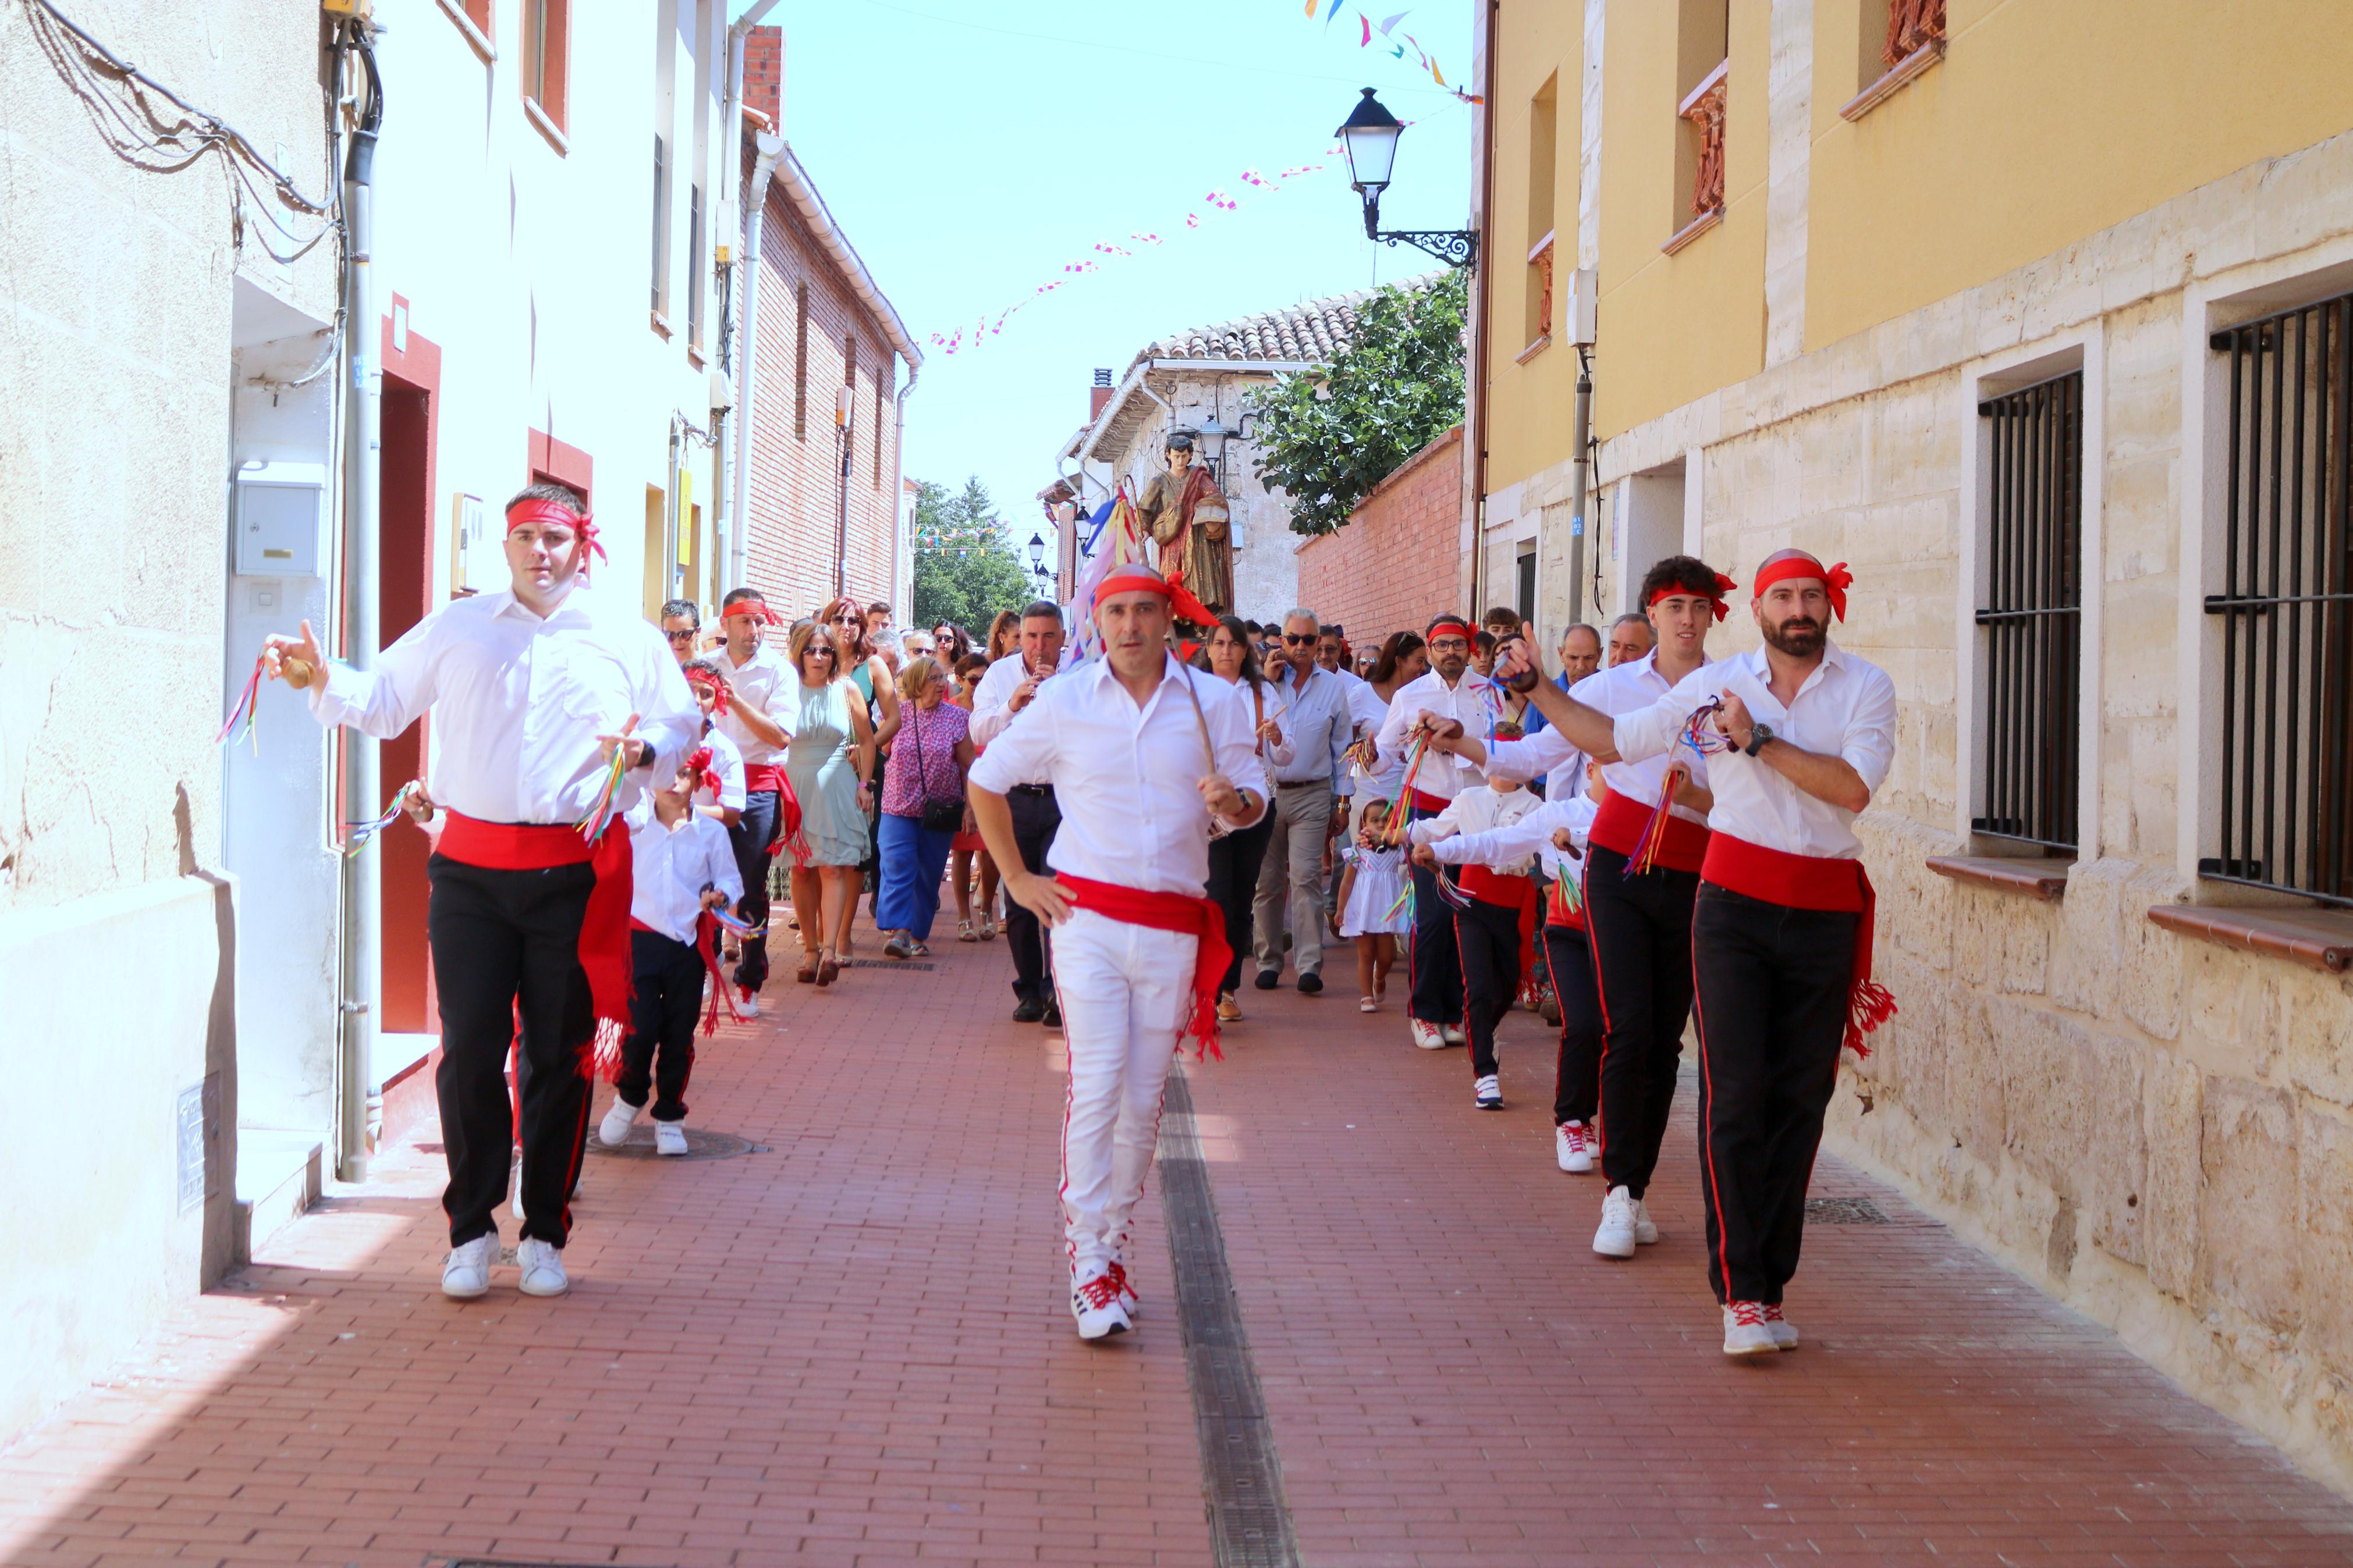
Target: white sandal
963	932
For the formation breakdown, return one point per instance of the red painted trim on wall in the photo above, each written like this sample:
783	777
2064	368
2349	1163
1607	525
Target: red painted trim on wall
405	597
549	458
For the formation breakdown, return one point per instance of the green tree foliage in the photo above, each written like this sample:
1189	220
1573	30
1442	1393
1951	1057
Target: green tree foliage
1327	440
966	568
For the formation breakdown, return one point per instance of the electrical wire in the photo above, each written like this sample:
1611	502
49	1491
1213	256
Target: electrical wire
120	100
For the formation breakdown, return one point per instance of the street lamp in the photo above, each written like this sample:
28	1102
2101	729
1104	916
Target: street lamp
1369	135
1213	440
1037	554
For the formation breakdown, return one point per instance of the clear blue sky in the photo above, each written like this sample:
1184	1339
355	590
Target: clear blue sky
970	151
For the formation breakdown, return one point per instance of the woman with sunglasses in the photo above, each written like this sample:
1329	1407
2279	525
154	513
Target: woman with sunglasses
863	664
830	763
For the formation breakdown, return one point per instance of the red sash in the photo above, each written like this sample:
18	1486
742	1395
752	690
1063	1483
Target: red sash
1489	886
1558	911
1423	801
1623	820
605	929
1810	882
758	776
1170	911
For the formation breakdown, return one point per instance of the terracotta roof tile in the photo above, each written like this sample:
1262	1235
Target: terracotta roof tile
1313	331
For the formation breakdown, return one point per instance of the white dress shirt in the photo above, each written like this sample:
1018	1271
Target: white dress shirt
669	866
1470	703
1368	710
998	683
728	763
1316	727
1479	810
1526	835
1846	709
1627	687
518	703
759	677
1127	777
1259	702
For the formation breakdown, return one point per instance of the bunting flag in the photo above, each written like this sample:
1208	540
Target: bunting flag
1398	46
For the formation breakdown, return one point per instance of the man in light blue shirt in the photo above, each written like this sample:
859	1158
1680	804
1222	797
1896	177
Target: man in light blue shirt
1311	706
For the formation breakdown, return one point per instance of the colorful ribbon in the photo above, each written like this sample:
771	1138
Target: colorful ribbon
599	814
357	836
246	707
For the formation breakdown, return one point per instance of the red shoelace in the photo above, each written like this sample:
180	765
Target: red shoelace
1117	1275
1752	1314
1100	1291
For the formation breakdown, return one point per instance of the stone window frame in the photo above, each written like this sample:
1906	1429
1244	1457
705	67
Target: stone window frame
2082	348
2211	305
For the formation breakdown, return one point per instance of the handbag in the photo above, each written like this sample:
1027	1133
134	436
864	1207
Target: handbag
937	816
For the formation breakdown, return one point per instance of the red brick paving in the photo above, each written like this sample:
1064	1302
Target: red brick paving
852	1349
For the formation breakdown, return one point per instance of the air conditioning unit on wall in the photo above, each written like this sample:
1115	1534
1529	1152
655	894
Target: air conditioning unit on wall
1578	311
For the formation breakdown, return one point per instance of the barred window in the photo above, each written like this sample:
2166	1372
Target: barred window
2032	610
2287	605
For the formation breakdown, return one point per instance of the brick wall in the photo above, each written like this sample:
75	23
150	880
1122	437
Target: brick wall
795	466
1395	563
764	73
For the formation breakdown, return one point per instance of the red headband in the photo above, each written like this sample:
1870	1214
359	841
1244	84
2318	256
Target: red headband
1131	580
698	762
752	609
1449	624
1836	581
718	688
1724	585
562	516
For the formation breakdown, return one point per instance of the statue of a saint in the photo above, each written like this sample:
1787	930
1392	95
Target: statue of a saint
1186	515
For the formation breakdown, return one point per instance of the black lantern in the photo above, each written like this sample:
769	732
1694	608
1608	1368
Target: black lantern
1036	553
1370	135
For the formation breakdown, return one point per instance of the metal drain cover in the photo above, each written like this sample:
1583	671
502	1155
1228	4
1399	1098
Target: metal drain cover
1844	1211
699	1145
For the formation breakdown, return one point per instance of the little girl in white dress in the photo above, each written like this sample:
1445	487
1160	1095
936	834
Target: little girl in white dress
1370	910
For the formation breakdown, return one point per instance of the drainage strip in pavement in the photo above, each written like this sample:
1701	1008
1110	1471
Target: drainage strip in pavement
1241	1478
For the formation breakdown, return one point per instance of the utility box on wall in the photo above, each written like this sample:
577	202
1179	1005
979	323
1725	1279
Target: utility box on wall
281	512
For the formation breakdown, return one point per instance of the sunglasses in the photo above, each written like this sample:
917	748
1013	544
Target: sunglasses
1290	641
684	637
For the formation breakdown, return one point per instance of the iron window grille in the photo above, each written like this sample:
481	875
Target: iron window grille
2033	610
2287	605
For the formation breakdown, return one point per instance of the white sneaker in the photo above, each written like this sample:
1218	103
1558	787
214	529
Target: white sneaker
1427	1036
1095	1303
1572	1145
1366	1004
1746	1331
541	1263
1487	1094
747	1004
1614	1237
1784	1332
670	1138
1455	1036
1645	1233
614	1131
465	1272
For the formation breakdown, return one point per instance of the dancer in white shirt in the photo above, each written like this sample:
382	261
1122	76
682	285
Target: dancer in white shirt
1639	884
1493	892
1453	699
1008	689
1140	750
760	685
1781	933
680	869
534	692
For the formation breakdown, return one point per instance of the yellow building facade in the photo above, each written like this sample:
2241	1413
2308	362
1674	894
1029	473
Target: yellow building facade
2039	314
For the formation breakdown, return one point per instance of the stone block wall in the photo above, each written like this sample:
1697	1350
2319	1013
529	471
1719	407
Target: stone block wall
2155	1128
1394	565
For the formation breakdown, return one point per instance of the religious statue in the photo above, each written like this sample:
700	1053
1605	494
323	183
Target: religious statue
1186	515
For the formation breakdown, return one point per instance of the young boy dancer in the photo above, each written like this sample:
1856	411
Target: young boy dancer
1486	918
681	868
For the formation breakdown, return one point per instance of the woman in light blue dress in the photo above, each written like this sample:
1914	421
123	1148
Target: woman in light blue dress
829	764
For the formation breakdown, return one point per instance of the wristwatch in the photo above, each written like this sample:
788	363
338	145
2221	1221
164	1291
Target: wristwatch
1758	733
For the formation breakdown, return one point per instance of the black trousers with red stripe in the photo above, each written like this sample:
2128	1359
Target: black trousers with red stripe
1577	1089
1487	938
1640	930
1773	988
1433	966
504	939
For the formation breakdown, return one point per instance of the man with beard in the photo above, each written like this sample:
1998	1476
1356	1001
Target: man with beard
1448	698
1803	733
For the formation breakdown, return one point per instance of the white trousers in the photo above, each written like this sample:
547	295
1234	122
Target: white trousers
1124	991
